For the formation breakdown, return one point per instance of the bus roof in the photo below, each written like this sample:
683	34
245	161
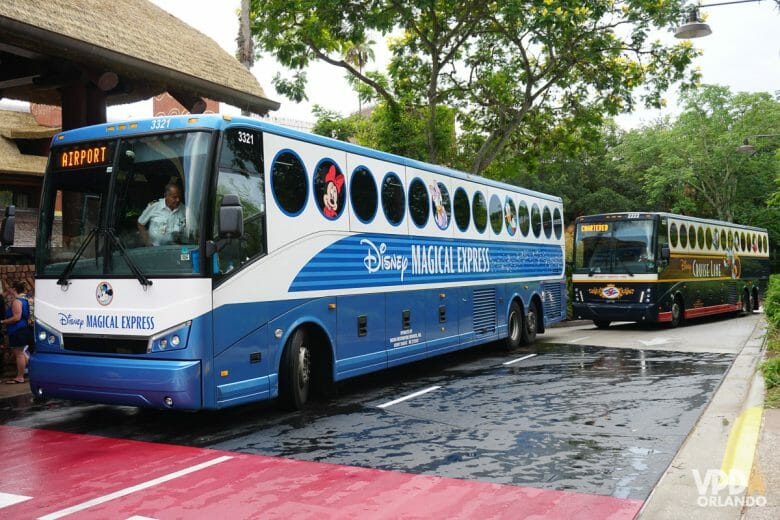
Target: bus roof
219	122
653	214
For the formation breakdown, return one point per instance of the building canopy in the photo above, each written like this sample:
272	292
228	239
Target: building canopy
120	51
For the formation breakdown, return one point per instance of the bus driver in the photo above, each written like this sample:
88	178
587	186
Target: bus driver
165	218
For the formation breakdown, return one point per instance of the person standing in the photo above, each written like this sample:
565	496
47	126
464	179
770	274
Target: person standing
16	320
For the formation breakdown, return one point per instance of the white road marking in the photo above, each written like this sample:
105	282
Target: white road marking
132	489
654	341
410	396
578	339
518	359
7	499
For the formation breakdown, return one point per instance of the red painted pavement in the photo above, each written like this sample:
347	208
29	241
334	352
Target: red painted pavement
61	470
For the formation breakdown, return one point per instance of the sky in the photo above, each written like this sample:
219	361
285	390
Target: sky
743	53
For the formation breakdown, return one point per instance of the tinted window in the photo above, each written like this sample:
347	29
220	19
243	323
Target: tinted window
479	211
557	224
673	234
393	203
363	194
683	235
329	189
547	222
692	236
708	238
510	216
496	214
462	209
288	182
242	149
522	216
722	239
418	203
440	204
700	233
536	220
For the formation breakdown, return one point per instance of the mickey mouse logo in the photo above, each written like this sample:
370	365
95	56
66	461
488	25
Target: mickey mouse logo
104	293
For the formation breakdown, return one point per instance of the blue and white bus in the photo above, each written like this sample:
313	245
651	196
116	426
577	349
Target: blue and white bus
299	261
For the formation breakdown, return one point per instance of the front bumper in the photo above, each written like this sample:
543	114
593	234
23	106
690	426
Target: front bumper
640	312
120	381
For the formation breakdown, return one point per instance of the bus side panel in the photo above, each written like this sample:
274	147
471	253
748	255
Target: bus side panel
405	327
241	371
360	345
441	315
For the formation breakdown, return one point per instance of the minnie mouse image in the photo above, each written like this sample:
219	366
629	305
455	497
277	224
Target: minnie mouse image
334	181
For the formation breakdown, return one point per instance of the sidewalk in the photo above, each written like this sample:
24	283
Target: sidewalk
8	371
729	467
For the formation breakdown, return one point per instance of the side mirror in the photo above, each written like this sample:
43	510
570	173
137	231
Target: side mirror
8	227
231	217
665	253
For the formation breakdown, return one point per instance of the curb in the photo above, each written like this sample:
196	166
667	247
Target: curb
695	484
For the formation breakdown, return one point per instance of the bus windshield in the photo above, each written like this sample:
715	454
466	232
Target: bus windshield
126	207
619	247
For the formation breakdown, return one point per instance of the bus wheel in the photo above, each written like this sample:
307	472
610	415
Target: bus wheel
514	327
677	313
602	324
756	301
528	334
747	308
295	374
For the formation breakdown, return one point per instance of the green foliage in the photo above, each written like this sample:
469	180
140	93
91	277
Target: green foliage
512	69
772	302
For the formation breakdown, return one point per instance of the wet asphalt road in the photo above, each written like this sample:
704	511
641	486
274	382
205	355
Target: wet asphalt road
589	419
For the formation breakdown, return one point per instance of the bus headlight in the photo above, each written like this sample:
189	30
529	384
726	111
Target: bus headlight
174	338
47	334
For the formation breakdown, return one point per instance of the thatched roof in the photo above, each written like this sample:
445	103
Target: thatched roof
21	125
52	42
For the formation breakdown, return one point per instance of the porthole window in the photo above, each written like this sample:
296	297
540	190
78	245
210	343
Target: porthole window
418	203
479	211
683	236
722	239
557	224
329	189
496	214
522	217
536	220
288	183
393	202
766	244
461	209
700	233
731	241
510	216
673	234
440	204
708	238
743	241
547	222
692	236
753	243
363	194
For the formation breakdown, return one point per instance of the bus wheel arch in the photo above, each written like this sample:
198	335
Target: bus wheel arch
306	366
515	323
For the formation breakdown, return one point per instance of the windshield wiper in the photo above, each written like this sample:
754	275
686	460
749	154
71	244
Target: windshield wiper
63	280
145	282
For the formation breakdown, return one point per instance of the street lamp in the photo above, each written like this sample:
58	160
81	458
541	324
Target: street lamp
746	147
694	27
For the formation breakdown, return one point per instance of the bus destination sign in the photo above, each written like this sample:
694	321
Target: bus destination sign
93	154
589	228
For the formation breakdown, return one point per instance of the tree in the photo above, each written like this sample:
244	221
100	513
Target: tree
500	64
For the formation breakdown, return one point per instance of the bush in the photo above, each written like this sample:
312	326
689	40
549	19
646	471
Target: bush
772	302
771	371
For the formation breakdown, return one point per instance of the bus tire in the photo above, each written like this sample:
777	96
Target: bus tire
296	371
601	324
747	306
677	312
531	325
514	326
